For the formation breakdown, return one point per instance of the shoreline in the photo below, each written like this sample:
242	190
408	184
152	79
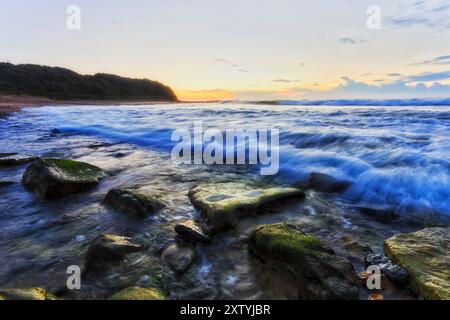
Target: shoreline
10	104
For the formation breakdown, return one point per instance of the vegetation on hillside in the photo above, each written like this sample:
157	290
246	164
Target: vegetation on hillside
64	84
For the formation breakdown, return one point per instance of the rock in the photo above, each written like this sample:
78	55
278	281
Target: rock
178	256
380	214
14	159
326	183
224	203
56	178
425	254
133	203
5	183
191	231
393	272
319	274
26	294
109	248
138	293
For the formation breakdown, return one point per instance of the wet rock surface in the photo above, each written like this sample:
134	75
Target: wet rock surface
109	248
56	178
138	293
178	256
223	204
26	294
326	183
192	231
394	272
133	203
14	159
425	254
318	272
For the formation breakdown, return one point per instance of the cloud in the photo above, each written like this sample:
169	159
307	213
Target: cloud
442	60
231	64
430	14
285	80
226	61
394	75
349	40
302	64
428	76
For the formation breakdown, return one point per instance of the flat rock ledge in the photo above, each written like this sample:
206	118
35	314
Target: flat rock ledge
319	274
223	204
425	254
56	178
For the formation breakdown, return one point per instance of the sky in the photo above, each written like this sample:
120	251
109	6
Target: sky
243	49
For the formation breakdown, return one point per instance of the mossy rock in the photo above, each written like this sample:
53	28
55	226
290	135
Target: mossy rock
224	203
134	203
319	274
138	293
26	294
56	178
425	254
109	248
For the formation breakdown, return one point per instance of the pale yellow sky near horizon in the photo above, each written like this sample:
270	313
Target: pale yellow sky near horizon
252	49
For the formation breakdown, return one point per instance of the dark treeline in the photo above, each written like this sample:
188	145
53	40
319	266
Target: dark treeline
64	84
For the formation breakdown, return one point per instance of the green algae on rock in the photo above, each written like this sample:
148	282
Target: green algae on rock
26	294
133	203
425	254
139	293
56	178
224	203
319	274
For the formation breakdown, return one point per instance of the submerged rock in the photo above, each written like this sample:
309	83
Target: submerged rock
26	294
14	159
139	293
318	272
109	248
179	256
393	272
56	178
133	203
326	183
224	203
425	254
192	231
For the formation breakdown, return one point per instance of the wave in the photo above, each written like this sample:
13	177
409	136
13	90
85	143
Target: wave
361	102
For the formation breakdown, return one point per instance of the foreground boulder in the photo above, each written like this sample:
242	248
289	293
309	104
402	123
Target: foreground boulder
109	248
26	294
318	272
56	178
224	203
326	183
192	231
425	254
133	203
138	293
15	159
179	256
